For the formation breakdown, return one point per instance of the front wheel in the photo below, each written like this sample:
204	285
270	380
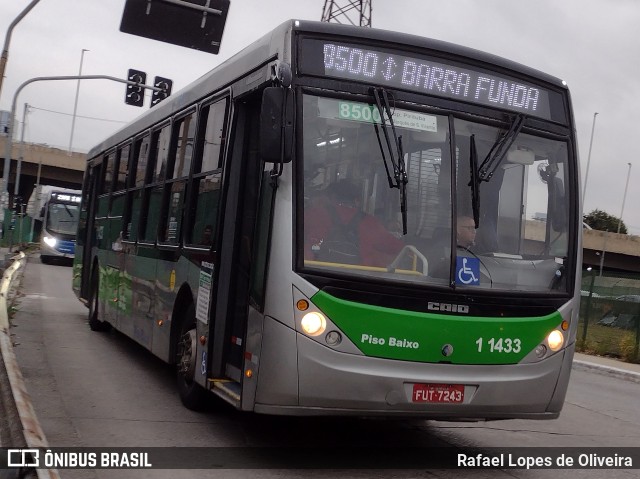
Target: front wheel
192	395
94	322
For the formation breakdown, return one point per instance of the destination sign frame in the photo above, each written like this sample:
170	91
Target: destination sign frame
427	75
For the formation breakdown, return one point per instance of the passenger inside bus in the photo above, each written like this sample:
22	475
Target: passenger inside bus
338	231
207	236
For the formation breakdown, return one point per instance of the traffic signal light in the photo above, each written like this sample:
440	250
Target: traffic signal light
17	204
135	93
158	96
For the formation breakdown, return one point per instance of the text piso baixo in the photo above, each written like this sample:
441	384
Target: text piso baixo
396	342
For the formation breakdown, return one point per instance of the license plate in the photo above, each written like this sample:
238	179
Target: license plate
438	393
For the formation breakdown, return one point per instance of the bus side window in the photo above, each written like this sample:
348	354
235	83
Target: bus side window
118	197
207	176
134	196
161	149
123	168
104	188
152	199
184	130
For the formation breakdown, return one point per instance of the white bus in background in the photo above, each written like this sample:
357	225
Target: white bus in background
58	210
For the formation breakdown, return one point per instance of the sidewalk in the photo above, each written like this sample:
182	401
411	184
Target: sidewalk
613	367
5	255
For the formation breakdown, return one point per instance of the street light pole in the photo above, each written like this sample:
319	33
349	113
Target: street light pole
624	198
4	181
586	175
75	105
7	40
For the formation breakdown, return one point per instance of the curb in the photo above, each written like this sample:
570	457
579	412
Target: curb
607	370
31	430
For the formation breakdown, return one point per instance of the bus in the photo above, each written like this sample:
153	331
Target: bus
196	234
58	211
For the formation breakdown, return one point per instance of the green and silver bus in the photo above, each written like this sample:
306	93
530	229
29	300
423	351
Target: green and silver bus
201	230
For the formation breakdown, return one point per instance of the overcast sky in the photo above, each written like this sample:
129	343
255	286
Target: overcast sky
592	44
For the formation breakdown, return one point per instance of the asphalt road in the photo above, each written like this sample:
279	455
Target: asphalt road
103	390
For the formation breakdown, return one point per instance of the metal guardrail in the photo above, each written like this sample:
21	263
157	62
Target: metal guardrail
20	427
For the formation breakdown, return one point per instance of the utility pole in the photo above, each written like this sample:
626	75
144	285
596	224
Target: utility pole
16	187
354	12
586	176
36	190
624	199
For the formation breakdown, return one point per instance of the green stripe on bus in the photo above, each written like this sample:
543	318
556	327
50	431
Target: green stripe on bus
433	337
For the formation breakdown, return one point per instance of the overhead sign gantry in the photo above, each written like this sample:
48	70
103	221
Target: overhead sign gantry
196	24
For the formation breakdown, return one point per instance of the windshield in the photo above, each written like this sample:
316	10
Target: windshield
510	226
62	218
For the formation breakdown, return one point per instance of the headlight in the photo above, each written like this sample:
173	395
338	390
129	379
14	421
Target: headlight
50	240
313	324
555	340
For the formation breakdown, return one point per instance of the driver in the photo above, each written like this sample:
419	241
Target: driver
466	229
465	239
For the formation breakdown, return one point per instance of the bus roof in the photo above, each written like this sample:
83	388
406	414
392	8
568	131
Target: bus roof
272	46
393	38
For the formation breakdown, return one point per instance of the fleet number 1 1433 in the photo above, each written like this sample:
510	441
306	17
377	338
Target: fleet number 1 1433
500	345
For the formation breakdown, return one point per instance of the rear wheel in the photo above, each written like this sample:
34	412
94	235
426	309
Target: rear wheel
94	322
192	395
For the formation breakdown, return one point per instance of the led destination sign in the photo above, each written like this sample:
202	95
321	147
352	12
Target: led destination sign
66	197
353	62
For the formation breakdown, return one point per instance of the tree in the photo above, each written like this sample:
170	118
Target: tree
602	221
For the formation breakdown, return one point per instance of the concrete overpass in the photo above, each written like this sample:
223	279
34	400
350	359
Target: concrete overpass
622	252
57	167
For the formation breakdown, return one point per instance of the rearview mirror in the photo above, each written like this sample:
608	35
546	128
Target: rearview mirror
521	157
276	125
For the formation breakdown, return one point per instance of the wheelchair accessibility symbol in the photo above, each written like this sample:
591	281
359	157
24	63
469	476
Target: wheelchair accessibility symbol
467	270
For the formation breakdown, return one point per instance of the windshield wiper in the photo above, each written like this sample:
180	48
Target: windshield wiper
68	210
474	183
399	179
499	149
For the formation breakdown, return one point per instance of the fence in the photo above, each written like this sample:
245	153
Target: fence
610	315
16	229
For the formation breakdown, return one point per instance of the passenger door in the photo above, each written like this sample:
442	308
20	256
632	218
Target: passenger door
243	173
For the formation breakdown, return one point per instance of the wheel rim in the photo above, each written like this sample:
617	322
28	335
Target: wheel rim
187	355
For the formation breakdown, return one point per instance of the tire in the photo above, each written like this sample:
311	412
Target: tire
45	259
94	321
192	395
